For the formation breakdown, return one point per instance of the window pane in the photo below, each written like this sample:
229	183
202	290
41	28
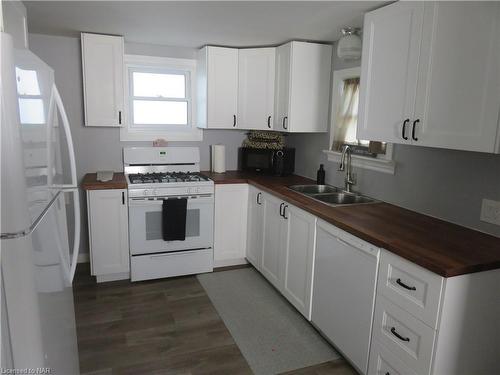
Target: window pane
27	82
31	111
155	85
147	112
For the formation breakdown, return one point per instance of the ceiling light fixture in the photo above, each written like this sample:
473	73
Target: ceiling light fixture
349	45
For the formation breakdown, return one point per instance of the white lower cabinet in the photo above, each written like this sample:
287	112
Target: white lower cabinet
281	246
230	224
298	257
430	325
385	314
383	362
108	234
273	239
407	337
255	239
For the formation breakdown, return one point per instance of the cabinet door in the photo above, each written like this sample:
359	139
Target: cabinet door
231	204
256	88
309	87
300	232
108	227
222	87
459	84
271	252
255	227
102	79
15	22
282	87
389	67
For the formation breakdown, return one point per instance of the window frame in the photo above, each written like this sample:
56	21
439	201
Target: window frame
383	162
170	132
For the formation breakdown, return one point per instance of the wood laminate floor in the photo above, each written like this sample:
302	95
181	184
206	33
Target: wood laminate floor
166	326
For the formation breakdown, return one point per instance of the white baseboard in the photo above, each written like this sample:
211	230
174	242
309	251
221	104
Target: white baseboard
83	258
229	262
113	277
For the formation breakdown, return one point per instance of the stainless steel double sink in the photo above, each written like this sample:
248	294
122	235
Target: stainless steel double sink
331	195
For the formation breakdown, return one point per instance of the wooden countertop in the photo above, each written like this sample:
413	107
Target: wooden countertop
442	247
90	182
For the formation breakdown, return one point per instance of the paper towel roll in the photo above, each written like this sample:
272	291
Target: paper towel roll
218	158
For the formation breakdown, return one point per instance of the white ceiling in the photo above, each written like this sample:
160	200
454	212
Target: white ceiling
196	23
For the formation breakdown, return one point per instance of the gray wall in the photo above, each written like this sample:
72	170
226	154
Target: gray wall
100	148
443	183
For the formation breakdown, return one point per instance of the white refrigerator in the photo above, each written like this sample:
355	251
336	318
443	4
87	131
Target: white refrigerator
39	197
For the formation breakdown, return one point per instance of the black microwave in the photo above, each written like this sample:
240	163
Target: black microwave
274	162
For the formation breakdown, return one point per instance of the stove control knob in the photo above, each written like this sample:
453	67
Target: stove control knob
145	192
189	190
154	192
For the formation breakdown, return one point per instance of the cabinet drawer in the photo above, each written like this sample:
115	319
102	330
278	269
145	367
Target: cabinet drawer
411	287
383	362
404	335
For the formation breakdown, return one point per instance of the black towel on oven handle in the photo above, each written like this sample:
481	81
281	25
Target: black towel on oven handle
174	212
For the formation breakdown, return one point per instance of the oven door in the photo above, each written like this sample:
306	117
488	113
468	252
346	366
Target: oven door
145	225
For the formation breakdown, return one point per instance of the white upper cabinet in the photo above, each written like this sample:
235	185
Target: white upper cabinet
427	79
302	87
256	88
102	62
285	88
458	96
389	71
217	76
15	22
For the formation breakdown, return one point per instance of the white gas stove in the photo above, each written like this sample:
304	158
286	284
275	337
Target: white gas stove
156	174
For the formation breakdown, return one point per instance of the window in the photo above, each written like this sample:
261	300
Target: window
159	99
344	118
31	111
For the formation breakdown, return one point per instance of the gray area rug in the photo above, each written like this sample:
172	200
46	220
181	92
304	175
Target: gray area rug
270	333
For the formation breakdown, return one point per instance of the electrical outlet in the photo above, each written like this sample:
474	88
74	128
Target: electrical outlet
490	211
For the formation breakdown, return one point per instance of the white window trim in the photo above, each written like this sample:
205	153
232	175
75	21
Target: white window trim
383	163
191	132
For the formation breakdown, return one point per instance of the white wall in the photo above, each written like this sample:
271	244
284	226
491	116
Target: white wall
100	148
443	183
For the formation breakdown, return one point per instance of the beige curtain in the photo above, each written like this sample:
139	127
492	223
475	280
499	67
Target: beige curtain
347	114
347	119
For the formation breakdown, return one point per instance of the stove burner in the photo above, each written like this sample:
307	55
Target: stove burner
165	177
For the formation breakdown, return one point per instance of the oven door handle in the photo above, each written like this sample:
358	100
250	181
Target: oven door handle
159	201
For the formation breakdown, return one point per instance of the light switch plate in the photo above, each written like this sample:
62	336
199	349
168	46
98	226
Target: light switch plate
490	211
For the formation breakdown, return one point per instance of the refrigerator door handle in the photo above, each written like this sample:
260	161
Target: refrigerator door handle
76	237
56	101
32	227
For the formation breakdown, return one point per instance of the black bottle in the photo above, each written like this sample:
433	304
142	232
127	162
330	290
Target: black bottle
320	176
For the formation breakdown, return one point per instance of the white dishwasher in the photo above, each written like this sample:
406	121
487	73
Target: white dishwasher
345	275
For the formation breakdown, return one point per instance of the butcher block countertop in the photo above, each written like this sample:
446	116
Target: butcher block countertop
439	246
90	182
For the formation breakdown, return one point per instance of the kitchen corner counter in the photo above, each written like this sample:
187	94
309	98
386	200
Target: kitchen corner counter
90	182
439	246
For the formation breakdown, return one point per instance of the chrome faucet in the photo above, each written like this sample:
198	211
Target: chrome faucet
349	177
